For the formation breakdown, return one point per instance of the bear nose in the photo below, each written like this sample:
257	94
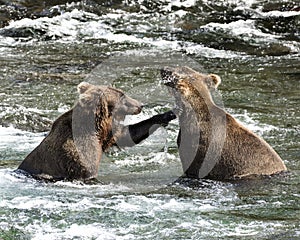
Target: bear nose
166	72
140	107
167	76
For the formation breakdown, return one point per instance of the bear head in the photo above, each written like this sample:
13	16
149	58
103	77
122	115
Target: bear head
190	88
112	101
100	110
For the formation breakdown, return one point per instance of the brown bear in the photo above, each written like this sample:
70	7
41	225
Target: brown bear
212	144
73	148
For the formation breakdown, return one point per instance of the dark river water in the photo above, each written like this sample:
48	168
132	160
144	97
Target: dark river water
48	47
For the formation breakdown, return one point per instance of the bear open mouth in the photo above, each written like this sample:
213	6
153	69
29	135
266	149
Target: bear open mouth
171	81
138	110
168	78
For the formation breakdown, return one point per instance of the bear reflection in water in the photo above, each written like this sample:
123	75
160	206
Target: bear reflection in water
73	148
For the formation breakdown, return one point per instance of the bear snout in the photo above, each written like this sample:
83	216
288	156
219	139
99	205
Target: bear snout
133	109
138	109
167	76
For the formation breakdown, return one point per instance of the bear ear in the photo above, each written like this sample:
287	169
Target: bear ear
83	86
215	79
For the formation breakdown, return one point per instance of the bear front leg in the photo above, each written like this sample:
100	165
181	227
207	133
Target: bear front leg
135	133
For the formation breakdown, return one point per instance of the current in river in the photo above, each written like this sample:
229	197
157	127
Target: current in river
48	47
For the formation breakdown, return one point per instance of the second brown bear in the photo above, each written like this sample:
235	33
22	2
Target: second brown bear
212	144
74	146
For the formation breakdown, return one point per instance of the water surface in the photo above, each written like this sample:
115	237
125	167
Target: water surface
48	47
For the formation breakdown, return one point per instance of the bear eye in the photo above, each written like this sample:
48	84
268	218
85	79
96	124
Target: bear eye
122	97
110	108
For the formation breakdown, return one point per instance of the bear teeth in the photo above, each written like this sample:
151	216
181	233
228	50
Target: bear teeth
167	77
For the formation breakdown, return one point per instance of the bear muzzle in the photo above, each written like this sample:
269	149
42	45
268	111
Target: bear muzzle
168	77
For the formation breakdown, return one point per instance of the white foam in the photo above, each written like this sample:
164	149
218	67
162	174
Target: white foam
280	13
9	179
243	28
46	21
90	231
247	120
6	44
174	205
159	158
63	108
245	3
33	214
83	231
179	4
124	206
28	203
192	48
66	25
69	27
20	140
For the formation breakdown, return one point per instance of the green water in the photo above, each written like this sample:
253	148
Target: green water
53	46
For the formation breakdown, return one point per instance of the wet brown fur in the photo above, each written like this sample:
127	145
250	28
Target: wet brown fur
94	121
242	153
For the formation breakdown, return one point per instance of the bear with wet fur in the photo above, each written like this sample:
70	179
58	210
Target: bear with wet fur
212	144
73	148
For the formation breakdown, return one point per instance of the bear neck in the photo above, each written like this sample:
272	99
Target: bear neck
202	132
103	128
83	121
202	104
200	116
108	127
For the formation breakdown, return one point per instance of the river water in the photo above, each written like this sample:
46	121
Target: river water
48	47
